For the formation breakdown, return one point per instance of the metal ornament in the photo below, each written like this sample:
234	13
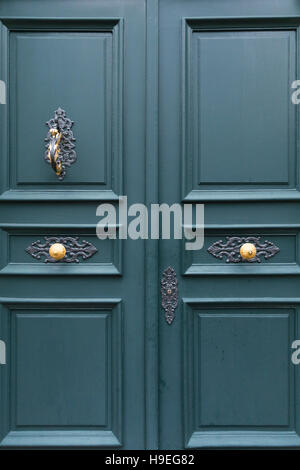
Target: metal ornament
60	145
74	249
169	293
230	249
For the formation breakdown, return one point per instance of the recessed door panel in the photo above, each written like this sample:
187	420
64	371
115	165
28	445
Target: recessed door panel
75	65
234	70
238	374
64	374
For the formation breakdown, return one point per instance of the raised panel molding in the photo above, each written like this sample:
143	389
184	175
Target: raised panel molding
107	261
219	163
239	353
95	107
62	332
286	261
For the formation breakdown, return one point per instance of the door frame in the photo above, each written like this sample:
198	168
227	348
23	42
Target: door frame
152	275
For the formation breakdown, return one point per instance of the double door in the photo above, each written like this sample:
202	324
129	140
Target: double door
172	102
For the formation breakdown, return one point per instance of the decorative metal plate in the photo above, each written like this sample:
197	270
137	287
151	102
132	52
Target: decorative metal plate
169	293
230	249
74	249
66	153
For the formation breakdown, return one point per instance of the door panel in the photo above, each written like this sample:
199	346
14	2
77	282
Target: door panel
228	134
24	252
227	69
65	374
49	68
74	375
237	374
216	253
235	70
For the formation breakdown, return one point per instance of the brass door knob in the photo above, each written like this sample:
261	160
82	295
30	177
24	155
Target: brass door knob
248	251
57	251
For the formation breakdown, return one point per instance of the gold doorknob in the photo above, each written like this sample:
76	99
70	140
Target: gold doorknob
248	251
57	251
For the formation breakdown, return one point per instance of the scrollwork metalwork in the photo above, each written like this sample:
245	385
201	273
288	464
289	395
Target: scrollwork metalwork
169	293
60	145
230	249
75	249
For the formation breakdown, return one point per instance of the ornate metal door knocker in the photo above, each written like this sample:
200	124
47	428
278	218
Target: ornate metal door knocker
60	145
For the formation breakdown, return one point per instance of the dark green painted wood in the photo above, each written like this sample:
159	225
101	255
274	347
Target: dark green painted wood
75	374
211	92
152	299
228	138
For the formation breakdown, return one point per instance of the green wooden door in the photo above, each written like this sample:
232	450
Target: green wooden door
229	136
173	102
74	331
